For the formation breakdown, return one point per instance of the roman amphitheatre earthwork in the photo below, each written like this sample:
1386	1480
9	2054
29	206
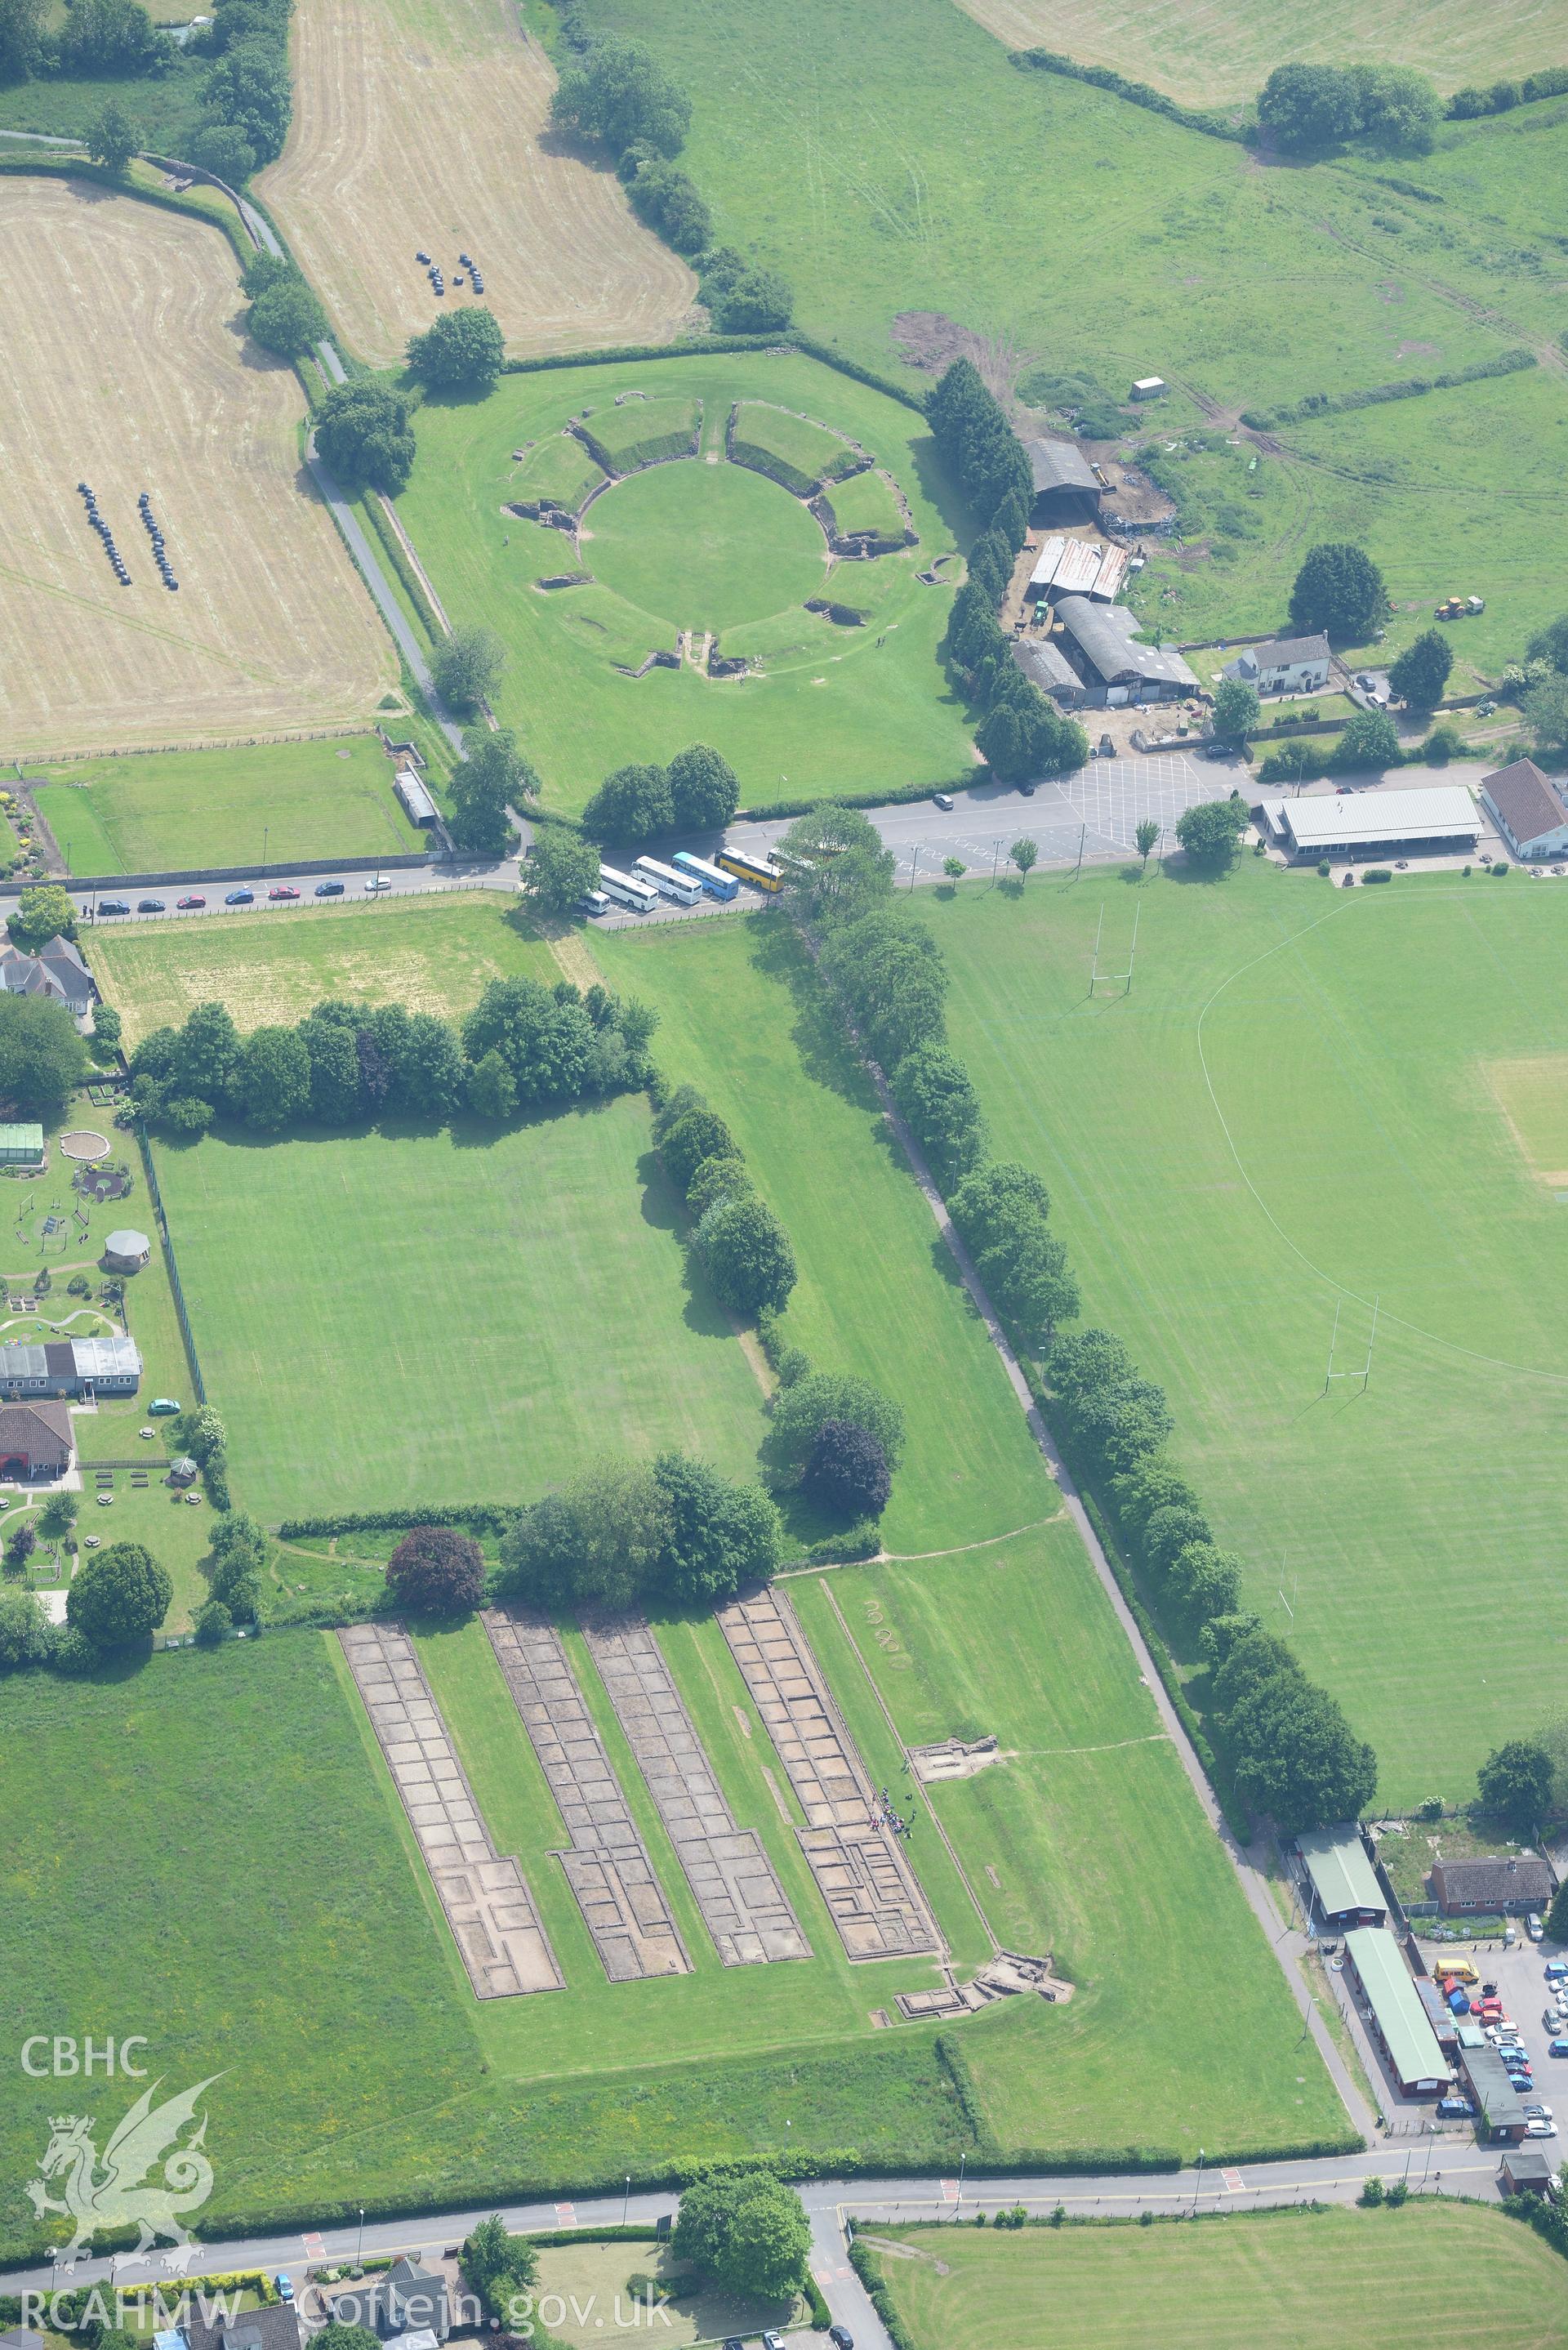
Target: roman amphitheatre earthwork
270	630
363	184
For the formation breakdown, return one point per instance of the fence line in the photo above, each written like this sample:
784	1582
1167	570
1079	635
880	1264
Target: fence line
156	1196
193	742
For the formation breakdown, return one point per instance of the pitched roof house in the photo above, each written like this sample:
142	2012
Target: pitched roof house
1523	1882
273	2328
57	971
35	1439
406	2300
1528	813
1284	665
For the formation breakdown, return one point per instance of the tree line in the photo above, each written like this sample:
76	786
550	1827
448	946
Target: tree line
524	1044
1021	733
615	98
1294	1755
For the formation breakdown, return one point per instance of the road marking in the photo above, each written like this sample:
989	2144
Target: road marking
315	2248
1233	2183
565	2215
950	2191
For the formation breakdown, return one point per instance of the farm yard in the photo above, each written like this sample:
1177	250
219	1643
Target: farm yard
422	124
465	1315
271	628
432	954
698	545
1444	2265
193	809
1225	49
1304	1107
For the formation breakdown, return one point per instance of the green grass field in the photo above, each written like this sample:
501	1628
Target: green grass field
696	546
811	453
865	502
462	1315
635	431
1451	2270
434	954
885	210
191	809
1313	1101
558	467
742	1019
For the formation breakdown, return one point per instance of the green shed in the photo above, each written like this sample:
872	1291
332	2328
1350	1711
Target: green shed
21	1146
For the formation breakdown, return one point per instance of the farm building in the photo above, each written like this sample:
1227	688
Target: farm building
1439	816
71	1366
1115	667
127	1251
418	805
1044	664
21	1146
1284	665
1078	566
1345	1892
57	971
1065	488
1491	2089
1520	1883
1528	813
1397	2020
35	1439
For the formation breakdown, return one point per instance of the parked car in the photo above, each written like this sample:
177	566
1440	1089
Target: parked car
1540	2129
1557	1969
188	905
942	799
114	906
283	890
1534	1927
1538	2113
1558	2047
772	2341
150	906
241	897
330	888
284	2284
378	883
163	1405
841	2338
1454	2109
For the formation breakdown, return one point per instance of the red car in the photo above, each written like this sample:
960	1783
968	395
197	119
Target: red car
283	890
188	905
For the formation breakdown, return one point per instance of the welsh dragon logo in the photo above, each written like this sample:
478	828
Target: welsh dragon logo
117	2191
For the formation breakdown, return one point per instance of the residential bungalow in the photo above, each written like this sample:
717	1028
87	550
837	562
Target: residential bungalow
1101	643
1284	665
1345	1892
34	1441
275	2327
57	971
1492	1888
406	2300
1397	2021
1528	813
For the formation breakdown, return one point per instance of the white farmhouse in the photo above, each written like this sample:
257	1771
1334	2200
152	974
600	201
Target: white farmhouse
1284	665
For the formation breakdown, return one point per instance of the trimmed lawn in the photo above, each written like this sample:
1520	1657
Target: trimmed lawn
190	810
1312	1101
1084	1843
402	1316
695	545
1452	2271
744	1018
433	954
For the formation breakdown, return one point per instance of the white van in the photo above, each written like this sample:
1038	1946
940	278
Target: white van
593	901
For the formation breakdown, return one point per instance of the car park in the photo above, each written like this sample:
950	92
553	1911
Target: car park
150	906
283	890
114	906
330	888
188	905
241	897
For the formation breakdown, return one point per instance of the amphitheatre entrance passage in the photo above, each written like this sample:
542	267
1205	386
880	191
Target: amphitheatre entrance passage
704	546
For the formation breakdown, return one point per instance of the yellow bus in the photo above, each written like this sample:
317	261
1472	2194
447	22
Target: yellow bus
760	871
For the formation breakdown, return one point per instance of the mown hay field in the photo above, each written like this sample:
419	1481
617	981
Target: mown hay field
421	125
131	373
1330	2275
1223	50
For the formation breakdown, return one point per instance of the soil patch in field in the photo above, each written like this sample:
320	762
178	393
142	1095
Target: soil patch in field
131	373
422	126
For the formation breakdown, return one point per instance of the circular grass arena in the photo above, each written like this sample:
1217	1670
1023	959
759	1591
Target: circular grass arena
704	546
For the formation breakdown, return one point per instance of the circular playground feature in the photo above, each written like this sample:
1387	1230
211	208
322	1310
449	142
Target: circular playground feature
83	1143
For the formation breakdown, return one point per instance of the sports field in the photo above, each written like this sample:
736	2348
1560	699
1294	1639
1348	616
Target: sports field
203	808
432	954
1316	1103
1226	49
843	148
463	1314
131	376
697	545
422	126
1449	2269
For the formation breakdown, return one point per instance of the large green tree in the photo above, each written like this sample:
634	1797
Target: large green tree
437	1571
468	666
1421	670
936	1095
1546	713
631	804
617	96
273	1082
1515	1783
286	317
723	1536
704	791
21	36
747	1252
41	1056
1236	709
1339	590
600	1540
1211	834
363	432
1370	740
747	2230
119	1596
461	352
491	777
802	1409
559	868
113	138
39	915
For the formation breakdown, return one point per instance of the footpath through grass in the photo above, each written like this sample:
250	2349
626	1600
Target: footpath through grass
1452	2272
191	810
1311	1102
